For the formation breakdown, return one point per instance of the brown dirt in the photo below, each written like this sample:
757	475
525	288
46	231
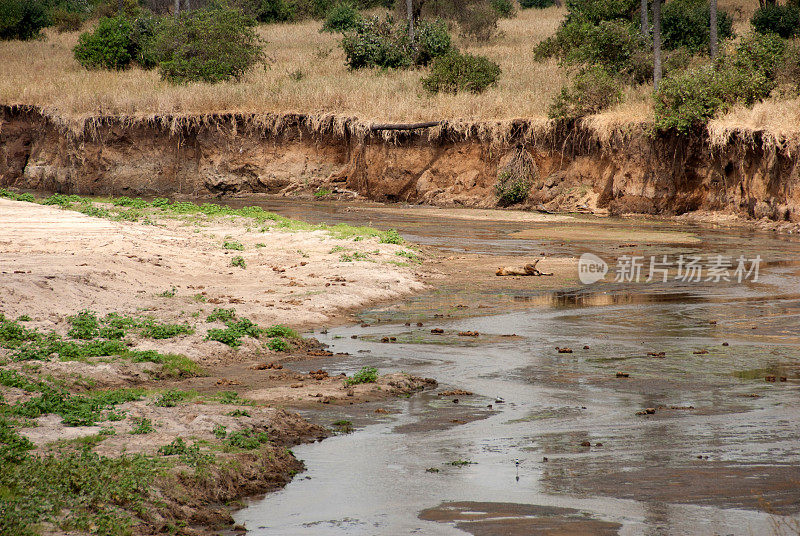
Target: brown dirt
226	154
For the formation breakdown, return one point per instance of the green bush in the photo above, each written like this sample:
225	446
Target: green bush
341	18
689	100
22	19
537	4
65	20
592	90
478	21
212	46
276	11
381	43
432	40
764	52
686	23
144	30
365	375
109	46
610	44
376	43
506	9
457	72
595	11
782	20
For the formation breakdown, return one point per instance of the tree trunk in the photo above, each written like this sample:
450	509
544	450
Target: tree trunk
713	34
187	5
645	28
177	7
120	6
410	14
656	43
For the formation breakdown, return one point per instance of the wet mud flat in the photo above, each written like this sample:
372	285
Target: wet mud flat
675	412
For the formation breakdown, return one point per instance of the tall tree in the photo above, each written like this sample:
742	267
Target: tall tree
713	35
177	7
645	29
656	43
410	15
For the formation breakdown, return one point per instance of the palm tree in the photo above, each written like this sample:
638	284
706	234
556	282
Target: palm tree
713	35
656	43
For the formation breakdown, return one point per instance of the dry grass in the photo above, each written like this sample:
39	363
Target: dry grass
776	120
44	73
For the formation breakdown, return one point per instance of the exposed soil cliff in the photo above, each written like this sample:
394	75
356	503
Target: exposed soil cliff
229	154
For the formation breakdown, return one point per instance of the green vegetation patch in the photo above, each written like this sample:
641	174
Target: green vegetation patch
365	375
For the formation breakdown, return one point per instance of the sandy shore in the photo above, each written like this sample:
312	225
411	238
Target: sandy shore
166	272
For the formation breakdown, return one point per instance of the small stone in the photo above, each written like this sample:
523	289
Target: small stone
586	444
725	344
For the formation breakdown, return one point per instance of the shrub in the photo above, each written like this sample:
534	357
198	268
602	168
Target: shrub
208	45
432	40
685	23
592	90
610	44
65	20
516	178
22	19
379	42
478	21
537	4
689	100
505	8
762	52
144	30
595	11
109	46
276	11
782	20
461	72
341	18
365	375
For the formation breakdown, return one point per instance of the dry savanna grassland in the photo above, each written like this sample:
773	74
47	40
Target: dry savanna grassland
307	74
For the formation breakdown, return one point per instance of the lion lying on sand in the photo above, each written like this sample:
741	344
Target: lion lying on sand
527	270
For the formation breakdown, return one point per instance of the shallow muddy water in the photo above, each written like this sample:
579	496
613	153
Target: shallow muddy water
720	454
